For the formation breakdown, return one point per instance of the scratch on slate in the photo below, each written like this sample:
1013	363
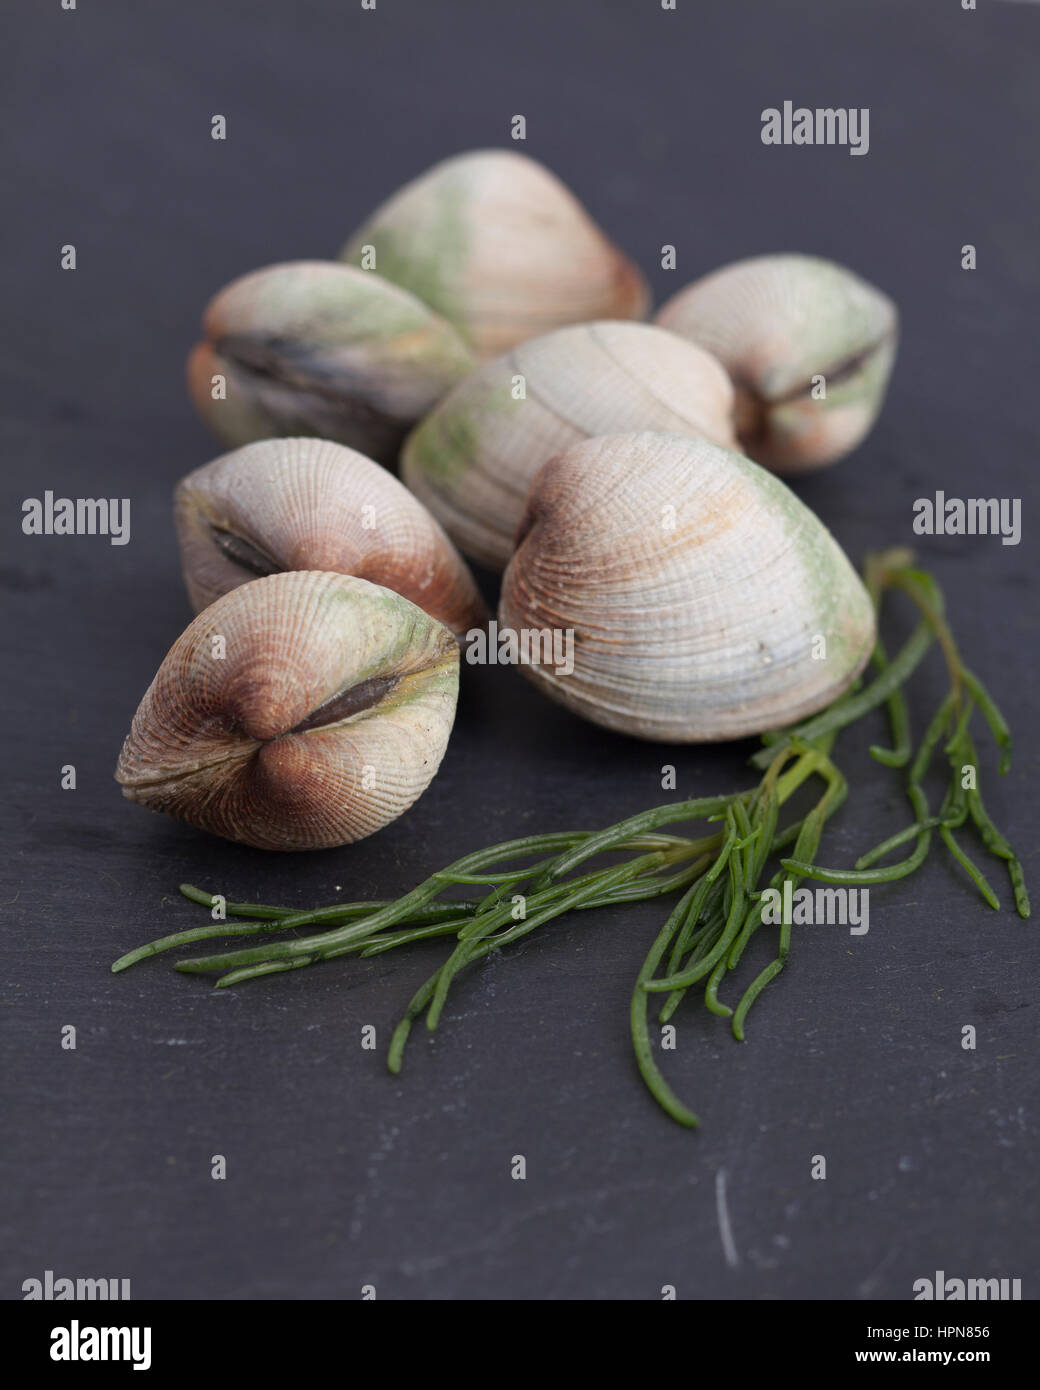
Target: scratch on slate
869	1284
415	1265
729	1248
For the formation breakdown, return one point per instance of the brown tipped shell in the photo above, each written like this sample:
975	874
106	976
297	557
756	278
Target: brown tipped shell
501	248
309	504
318	348
300	711
809	346
705	601
472	460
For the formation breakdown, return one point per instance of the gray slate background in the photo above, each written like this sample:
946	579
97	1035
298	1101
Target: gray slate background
337	1174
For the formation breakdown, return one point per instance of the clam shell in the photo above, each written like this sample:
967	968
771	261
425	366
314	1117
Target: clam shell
775	323
309	504
473	458
325	719
318	348
501	248
697	587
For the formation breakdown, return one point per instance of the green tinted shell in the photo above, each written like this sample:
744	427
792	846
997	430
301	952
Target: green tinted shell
318	348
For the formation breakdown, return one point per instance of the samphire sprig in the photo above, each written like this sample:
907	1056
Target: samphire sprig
511	889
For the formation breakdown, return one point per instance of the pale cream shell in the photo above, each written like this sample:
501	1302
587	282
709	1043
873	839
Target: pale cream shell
473	458
500	247
216	740
319	348
310	504
698	589
779	324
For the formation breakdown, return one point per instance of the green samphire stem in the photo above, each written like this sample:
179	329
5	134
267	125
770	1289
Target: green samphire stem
719	876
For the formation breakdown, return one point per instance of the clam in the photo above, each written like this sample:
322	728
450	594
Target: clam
703	599
473	458
318	348
299	711
501	248
310	504
809	346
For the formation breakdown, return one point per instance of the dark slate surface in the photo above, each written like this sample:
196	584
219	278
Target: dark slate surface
339	1176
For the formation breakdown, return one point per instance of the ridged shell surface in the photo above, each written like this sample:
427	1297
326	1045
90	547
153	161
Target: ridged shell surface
473	458
310	504
501	248
319	348
777	324
326	716
706	601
